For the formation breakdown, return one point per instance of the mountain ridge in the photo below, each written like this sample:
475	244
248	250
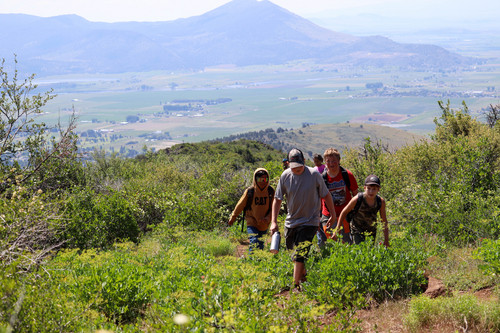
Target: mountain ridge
241	33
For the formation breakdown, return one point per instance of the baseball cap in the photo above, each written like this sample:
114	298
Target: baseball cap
296	158
372	180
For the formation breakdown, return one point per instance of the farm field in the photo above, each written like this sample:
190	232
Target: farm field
257	98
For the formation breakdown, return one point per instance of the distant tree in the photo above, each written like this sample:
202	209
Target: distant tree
132	119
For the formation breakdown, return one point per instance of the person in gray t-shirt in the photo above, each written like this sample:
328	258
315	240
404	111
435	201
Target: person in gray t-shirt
303	188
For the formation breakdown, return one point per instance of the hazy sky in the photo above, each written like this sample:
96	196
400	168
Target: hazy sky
165	10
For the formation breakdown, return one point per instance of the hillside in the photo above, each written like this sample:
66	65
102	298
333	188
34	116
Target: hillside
241	32
313	139
144	244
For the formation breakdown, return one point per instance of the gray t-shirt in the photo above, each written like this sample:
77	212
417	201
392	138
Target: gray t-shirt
303	196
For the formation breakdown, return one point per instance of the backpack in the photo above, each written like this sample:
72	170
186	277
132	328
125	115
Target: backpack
250	192
353	212
345	177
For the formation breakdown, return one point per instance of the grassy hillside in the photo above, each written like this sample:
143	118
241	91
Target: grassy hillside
143	244
313	139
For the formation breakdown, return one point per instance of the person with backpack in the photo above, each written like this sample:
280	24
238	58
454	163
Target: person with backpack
256	203
362	211
342	186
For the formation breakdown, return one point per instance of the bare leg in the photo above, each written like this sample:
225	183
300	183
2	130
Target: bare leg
299	269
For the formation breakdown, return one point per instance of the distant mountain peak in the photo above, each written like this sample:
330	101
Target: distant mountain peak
240	32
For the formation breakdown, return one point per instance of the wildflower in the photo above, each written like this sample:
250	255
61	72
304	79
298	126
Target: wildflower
181	319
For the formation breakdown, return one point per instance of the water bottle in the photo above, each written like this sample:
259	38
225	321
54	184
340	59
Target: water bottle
275	242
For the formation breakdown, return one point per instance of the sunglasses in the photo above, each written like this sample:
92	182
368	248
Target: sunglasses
262	179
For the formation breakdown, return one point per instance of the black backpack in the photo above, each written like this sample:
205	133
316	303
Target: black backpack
250	193
353	212
345	176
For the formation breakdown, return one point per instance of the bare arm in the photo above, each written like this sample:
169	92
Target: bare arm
331	209
383	217
274	215
343	214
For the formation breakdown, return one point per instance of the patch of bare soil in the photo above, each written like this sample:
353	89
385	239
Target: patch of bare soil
386	317
486	294
241	251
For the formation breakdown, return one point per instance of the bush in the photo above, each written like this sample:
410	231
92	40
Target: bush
98	220
119	288
489	252
372	271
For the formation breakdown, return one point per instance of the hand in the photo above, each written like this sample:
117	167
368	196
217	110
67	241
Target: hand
230	223
331	222
274	227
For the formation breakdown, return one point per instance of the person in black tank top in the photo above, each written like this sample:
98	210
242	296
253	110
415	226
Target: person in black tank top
364	208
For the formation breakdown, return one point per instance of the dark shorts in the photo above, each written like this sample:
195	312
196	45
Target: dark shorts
361	237
301	239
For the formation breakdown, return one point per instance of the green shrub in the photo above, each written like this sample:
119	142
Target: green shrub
372	271
489	252
120	289
98	220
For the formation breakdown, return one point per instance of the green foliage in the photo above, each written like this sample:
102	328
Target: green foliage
236	154
489	252
150	286
438	192
451	188
447	186
464	312
119	288
454	123
371	158
98	220
214	246
366	270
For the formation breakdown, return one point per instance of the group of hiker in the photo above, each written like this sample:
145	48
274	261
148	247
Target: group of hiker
322	201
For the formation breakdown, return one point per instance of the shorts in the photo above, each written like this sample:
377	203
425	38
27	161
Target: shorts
301	238
358	237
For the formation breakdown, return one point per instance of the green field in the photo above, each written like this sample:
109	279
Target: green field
261	97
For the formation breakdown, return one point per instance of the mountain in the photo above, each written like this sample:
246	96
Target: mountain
241	32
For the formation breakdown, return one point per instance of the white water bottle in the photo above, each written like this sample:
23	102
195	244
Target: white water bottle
275	242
